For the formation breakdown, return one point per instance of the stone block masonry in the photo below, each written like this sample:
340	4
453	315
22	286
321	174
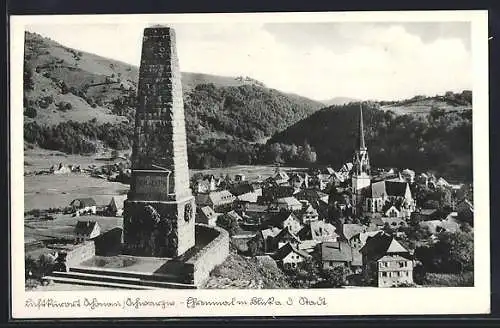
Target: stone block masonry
213	254
158	216
160	123
80	253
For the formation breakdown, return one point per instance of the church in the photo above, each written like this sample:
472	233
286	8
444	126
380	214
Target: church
391	198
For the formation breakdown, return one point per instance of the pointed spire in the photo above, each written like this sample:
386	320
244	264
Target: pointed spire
361	130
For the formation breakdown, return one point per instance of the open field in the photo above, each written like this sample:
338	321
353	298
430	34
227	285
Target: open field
46	191
56	191
423	107
252	172
38	159
63	227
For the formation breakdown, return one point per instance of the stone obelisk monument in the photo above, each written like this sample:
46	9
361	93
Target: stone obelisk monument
159	212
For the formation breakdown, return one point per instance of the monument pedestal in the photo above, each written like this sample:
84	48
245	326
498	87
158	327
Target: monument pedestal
157	223
158	228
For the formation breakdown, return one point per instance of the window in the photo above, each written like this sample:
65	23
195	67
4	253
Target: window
384	274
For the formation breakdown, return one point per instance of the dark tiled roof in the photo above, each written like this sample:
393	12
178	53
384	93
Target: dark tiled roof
276	219
382	244
310	195
84	227
394	188
280	191
285	232
287	249
84	202
385	188
241	188
336	251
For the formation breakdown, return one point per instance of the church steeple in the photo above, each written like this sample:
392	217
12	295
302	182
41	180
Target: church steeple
361	129
361	159
361	171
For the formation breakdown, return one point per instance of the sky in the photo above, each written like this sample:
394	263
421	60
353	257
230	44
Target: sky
323	60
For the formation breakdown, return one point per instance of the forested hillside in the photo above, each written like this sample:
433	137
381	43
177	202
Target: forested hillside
71	97
440	140
78	102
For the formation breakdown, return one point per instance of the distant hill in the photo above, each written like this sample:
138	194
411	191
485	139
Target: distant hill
423	104
338	101
436	138
62	84
191	80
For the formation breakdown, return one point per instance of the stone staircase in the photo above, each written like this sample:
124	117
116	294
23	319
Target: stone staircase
115	279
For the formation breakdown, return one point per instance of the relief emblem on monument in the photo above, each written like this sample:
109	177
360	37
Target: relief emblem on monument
188	212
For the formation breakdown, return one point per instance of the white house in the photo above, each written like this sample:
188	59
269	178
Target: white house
288	204
290	257
83	206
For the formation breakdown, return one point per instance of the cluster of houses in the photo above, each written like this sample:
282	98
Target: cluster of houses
88	206
291	222
350	217
334	217
65	169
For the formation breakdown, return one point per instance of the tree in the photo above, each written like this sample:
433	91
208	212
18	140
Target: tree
388	229
64	88
458	248
255	246
364	220
308	155
30	112
466	227
28	82
228	223
336	277
453	253
45	265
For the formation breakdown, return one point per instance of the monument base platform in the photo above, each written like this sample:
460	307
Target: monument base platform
188	271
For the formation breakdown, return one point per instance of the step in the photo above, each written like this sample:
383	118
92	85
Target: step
123	280
131	274
74	281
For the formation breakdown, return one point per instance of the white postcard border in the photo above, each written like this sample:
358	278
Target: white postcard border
351	301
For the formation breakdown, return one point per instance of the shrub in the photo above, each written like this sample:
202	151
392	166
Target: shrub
336	277
30	112
64	106
31	284
35	212
228	223
449	280
44	102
